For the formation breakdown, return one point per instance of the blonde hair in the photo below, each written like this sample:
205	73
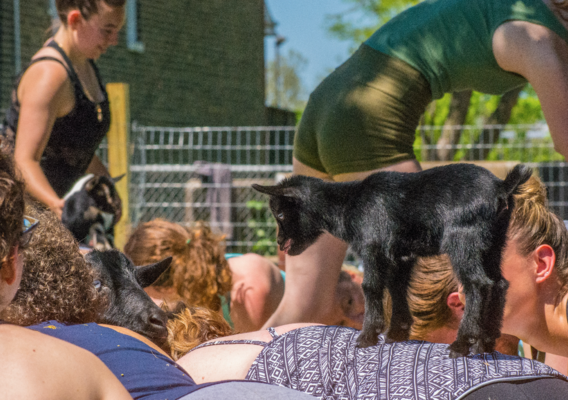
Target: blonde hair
431	282
199	272
563	6
193	326
533	224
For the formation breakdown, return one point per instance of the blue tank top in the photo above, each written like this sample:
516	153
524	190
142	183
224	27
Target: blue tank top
74	137
144	372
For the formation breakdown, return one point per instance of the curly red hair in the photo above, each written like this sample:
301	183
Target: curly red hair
199	272
193	326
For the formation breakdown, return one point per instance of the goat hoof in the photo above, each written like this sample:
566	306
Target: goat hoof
455	354
458	350
366	340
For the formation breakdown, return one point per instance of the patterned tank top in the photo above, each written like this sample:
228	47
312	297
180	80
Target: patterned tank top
325	362
74	137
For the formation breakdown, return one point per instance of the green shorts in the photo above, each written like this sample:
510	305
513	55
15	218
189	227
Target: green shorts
363	116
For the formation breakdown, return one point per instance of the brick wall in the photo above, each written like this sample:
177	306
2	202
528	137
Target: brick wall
203	62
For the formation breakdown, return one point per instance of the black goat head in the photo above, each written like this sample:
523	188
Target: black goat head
129	305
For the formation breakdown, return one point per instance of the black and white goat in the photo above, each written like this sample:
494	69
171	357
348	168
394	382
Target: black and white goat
90	211
123	283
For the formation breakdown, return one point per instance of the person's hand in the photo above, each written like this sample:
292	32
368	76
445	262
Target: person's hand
57	207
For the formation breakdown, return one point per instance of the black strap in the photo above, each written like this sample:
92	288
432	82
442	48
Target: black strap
72	74
69	72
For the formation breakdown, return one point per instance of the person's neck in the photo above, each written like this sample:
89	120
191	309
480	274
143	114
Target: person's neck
548	327
64	39
444	334
161	294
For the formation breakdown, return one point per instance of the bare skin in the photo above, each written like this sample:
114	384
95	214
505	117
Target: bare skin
541	56
258	289
37	366
214	363
534	311
46	93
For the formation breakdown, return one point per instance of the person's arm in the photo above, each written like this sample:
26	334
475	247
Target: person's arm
44	93
541	56
257	290
36	366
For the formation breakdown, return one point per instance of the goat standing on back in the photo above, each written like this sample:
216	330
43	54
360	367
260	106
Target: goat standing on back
391	218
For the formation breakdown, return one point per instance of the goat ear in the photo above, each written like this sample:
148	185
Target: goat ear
148	274
118	178
91	183
269	190
278	190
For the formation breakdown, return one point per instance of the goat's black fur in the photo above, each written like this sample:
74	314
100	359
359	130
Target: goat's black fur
84	208
129	305
391	218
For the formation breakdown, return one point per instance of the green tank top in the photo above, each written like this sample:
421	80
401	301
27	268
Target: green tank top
450	41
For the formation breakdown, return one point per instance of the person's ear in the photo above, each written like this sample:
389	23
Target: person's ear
461	294
74	17
456	307
545	259
8	271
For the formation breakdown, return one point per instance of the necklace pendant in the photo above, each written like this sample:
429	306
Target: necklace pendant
99	113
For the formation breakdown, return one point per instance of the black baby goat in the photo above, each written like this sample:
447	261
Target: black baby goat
90	210
129	305
391	218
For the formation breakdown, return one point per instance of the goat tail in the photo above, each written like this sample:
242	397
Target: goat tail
516	177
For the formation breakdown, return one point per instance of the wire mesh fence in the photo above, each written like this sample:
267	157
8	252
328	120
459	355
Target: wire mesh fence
187	175
190	174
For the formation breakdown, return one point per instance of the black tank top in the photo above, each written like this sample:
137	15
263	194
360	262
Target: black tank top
74	137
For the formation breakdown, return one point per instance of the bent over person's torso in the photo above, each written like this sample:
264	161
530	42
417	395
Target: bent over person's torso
450	41
324	362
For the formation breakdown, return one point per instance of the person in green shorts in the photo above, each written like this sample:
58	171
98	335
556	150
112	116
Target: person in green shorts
362	118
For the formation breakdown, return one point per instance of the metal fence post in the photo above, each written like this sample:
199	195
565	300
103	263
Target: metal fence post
118	154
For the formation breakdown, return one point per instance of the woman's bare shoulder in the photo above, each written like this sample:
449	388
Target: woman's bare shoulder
523	47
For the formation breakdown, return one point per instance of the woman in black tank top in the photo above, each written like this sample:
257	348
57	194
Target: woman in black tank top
59	111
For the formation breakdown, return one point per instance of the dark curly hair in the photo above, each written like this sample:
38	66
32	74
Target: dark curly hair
57	283
11	206
199	272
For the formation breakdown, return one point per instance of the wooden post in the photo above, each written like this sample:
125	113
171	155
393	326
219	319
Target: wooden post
118	154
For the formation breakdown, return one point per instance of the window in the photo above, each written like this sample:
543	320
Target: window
54	17
133	42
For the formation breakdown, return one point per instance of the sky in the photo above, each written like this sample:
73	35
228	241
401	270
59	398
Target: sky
302	23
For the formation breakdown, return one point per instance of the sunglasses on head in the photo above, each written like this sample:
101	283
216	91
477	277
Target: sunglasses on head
29	226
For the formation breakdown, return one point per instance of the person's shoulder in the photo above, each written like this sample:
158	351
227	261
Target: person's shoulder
292	327
47	73
38	366
525	48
